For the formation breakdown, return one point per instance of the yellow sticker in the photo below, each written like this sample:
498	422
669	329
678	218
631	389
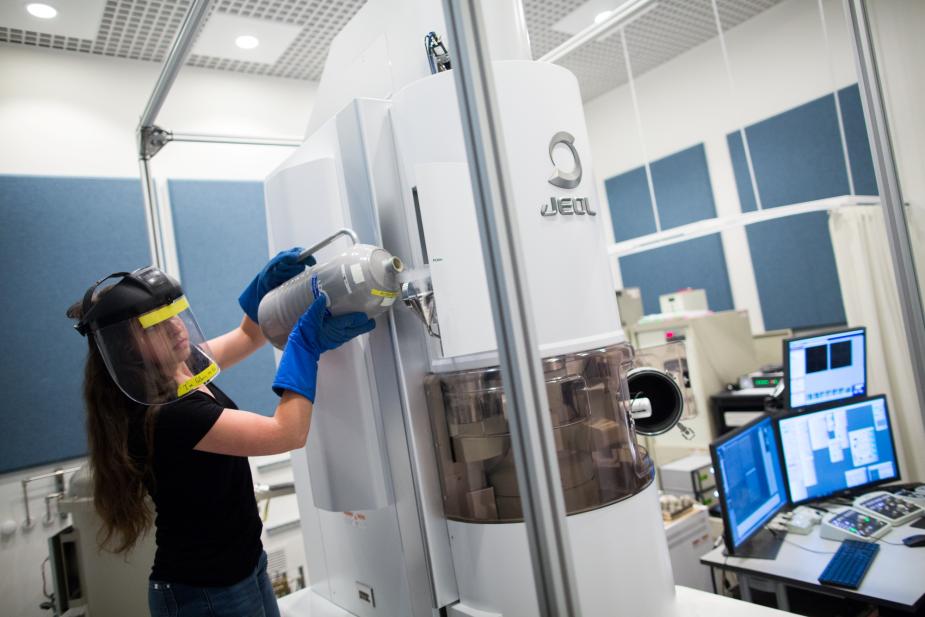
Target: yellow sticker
191	384
152	318
384	294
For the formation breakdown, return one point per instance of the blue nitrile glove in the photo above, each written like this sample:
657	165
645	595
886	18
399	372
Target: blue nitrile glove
316	332
277	271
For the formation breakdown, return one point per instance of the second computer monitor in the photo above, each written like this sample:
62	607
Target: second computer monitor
750	481
825	368
843	447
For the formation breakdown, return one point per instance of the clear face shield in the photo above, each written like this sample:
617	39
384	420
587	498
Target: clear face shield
159	356
149	338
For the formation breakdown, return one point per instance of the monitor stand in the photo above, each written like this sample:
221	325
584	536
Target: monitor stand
762	545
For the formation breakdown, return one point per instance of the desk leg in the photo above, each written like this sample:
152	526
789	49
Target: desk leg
783	603
745	590
763	584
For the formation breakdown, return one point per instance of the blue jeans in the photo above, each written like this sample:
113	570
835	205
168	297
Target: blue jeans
252	597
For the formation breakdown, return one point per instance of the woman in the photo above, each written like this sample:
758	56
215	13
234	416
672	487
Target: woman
157	426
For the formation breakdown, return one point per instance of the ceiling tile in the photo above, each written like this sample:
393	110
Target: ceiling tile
144	30
79	19
217	38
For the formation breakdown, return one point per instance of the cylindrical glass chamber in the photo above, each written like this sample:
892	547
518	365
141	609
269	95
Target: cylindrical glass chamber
599	460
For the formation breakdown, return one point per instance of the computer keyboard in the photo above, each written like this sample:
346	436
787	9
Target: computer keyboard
849	564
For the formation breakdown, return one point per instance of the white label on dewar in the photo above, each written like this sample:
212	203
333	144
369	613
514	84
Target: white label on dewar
387	301
356	271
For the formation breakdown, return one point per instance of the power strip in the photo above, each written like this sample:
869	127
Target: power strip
802	520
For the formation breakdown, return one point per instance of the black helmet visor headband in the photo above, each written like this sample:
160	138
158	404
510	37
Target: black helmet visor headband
83	326
137	292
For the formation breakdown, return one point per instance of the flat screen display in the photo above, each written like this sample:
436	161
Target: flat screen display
843	447
750	479
825	368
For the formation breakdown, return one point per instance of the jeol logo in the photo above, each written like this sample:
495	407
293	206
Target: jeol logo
566	206
570	179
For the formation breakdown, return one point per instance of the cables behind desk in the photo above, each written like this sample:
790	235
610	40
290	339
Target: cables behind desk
800	546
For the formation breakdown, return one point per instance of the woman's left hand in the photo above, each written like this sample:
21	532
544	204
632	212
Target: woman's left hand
278	270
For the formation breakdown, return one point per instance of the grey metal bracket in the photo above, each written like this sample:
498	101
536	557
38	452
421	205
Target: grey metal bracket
152	139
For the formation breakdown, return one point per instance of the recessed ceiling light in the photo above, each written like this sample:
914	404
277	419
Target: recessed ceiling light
602	16
42	11
247	41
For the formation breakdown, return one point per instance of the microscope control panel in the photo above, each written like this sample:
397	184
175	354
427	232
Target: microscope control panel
851	524
889	507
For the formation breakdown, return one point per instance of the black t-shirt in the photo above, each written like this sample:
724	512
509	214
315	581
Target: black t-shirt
208	528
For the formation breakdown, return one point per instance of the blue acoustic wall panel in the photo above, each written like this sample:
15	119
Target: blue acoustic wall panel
698	263
630	205
682	188
682	191
797	155
862	164
795	272
684	195
220	230
59	235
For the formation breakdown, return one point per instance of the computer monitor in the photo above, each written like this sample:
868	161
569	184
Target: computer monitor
824	368
843	447
750	480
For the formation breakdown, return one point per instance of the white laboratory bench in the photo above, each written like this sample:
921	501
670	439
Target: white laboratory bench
896	577
691	603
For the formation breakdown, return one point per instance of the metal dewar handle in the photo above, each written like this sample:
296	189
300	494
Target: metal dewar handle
314	249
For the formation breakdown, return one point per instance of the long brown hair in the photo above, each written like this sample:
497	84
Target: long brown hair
119	490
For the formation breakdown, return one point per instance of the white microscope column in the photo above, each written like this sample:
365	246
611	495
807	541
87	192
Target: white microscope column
407	490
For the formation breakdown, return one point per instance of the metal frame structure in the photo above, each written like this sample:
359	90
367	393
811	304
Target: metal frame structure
894	215
58	475
152	138
619	18
518	350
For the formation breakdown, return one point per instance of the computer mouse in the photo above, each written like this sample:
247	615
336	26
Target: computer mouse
916	540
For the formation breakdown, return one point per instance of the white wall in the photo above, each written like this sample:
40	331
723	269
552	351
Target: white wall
778	60
21	553
75	115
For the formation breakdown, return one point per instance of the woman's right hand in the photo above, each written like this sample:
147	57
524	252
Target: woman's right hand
319	331
316	332
278	270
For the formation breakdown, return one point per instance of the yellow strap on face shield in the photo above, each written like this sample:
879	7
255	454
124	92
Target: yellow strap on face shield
152	318
191	384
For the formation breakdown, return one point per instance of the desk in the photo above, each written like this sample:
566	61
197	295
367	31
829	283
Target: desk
895	579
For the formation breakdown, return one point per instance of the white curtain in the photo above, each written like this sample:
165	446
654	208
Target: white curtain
865	272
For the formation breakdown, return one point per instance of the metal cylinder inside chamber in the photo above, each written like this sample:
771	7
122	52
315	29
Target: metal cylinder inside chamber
599	460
